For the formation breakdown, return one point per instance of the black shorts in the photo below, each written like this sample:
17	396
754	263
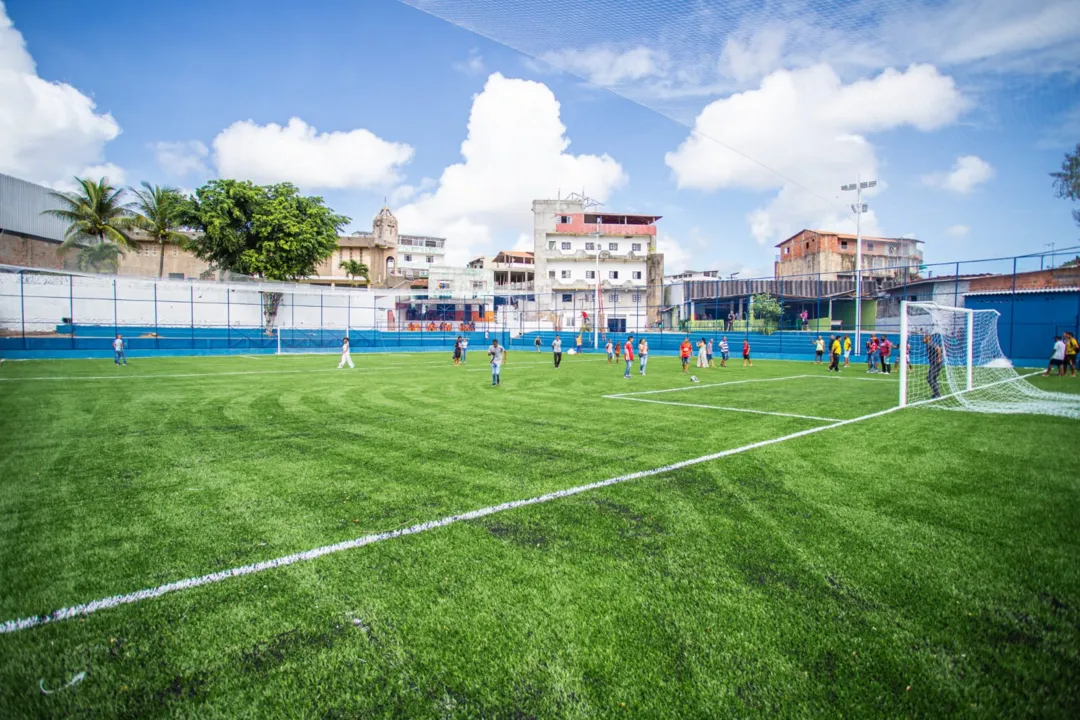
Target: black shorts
1056	363
819	353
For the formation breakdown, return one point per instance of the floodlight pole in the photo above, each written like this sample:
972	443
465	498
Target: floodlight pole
858	208
596	305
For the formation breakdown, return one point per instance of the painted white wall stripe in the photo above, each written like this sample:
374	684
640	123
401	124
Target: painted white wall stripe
84	609
727	409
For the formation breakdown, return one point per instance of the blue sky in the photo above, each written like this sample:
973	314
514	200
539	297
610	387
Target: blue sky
960	109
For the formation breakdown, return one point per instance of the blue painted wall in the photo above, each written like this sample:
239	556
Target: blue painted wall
1029	322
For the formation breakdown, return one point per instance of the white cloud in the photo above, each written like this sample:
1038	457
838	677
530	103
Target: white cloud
968	172
677	259
806	132
958	231
472	65
515	152
49	131
113	173
604	66
180	159
525	243
297	153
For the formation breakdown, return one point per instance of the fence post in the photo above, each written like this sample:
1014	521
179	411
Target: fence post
228	317
321	338
956	287
191	307
114	320
71	307
22	306
157	343
1012	311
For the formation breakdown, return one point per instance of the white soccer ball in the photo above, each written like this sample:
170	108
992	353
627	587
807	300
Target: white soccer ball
694	378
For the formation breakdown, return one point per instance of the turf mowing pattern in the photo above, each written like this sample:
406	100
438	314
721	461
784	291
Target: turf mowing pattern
923	549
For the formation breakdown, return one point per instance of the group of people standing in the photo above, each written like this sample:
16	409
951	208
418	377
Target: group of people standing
878	351
615	351
705	357
1064	354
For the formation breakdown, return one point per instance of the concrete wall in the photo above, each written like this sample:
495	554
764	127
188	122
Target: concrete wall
25	251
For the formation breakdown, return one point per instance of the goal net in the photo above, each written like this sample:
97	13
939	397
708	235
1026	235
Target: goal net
950	358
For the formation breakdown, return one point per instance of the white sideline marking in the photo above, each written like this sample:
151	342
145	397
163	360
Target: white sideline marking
728	409
84	609
709	385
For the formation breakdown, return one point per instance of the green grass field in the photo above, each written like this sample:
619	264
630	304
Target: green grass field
921	562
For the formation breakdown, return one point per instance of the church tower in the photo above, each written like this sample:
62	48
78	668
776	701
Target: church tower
385	229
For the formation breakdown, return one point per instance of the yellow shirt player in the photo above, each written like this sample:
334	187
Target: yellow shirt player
834	352
847	351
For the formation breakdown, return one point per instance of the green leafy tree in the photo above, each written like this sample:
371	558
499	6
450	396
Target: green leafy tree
93	210
272	232
766	308
1067	180
354	269
100	257
158	211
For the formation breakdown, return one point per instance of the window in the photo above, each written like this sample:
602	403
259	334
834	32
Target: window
636	247
566	246
869	247
590	274
444	284
808	245
565	274
431	258
637	297
567	298
176	276
564	219
590	246
613	274
176	252
551	244
637	274
614	297
477	284
613	246
408	258
431	243
551	274
843	244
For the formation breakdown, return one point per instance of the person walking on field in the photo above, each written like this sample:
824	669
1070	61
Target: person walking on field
629	356
346	358
537	343
834	354
1071	349
497	353
685	351
556	349
618	350
709	354
847	350
702	358
885	350
457	350
578	343
464	349
118	350
819	350
643	355
1057	358
746	361
610	352
725	351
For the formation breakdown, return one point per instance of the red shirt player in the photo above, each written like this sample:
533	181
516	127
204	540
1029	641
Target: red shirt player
685	350
629	347
746	354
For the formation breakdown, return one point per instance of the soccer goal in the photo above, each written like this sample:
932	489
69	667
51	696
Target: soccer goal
950	358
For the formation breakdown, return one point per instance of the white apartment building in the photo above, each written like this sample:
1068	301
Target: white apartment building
576	248
417	254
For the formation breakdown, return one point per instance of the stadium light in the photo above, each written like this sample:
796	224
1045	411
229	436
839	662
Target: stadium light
858	208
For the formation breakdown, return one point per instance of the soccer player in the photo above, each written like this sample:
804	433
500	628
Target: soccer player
629	356
935	356
1057	359
725	352
610	352
885	348
709	354
578	343
346	358
118	350
556	349
537	343
871	354
457	351
834	353
819	350
685	351
1071	349
746	353
643	354
847	350
464	349
497	353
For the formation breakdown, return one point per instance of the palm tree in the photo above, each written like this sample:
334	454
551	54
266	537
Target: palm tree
104	255
94	210
355	269
157	213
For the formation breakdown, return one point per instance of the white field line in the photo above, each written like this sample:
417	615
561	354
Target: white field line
116	600
84	609
709	385
726	409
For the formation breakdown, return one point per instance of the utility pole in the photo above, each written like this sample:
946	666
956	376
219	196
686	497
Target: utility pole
858	208
1052	258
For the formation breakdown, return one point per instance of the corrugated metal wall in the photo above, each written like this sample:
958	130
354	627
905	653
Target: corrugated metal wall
21	205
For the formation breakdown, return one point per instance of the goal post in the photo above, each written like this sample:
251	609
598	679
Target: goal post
951	359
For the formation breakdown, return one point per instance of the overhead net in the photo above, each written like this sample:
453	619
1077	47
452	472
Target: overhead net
954	361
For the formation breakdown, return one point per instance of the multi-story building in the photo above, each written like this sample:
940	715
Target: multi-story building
388	255
831	255
576	249
513	269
